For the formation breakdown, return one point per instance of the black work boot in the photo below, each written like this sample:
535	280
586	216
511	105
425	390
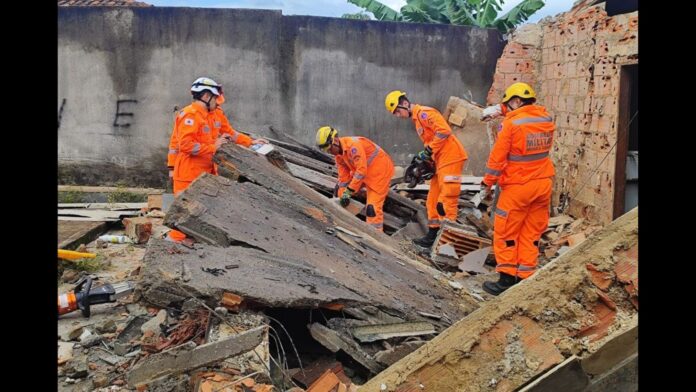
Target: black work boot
505	282
429	238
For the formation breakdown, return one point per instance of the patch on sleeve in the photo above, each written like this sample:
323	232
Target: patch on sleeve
188	121
353	150
424	115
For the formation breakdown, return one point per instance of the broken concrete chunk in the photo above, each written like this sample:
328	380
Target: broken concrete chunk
91	340
139	229
106	326
100	381
77	368
455	285
65	352
154	323
121	348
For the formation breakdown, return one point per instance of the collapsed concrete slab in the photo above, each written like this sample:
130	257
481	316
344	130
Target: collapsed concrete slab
173	272
285	255
534	326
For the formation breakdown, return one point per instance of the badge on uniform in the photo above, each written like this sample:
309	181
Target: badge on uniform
206	129
188	121
353	150
424	116
217	124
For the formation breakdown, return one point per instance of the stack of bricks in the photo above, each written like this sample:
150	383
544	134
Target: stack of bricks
576	78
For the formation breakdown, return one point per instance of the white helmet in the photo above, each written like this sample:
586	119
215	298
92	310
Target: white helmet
203	84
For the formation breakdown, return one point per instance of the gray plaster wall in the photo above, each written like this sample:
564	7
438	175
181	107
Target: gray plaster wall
295	73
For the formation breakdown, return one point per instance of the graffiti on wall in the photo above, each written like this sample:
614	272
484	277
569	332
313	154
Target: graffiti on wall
123	119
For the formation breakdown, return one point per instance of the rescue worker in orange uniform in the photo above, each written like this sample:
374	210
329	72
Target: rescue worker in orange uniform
520	164
445	150
360	162
199	130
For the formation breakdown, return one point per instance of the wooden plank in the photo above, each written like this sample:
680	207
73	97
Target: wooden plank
371	333
304	161
426	188
334	341
107	189
317	180
567	376
104	206
612	353
299	147
184	358
94	215
72	234
622	131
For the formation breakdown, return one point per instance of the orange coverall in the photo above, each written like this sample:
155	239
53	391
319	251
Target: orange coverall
520	164
364	162
449	156
192	146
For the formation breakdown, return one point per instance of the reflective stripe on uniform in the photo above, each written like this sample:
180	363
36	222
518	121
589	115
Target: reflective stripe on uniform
196	148
374	155
500	212
527	158
492	171
528	120
526	268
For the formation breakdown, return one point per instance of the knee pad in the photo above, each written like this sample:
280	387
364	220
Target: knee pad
440	209
370	211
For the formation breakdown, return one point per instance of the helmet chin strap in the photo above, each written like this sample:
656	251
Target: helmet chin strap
207	103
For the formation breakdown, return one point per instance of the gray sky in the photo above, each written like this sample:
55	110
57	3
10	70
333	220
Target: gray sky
335	8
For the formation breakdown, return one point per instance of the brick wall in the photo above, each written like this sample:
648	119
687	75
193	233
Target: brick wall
574	66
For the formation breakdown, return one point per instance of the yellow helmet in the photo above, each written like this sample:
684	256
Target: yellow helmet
392	100
522	90
325	136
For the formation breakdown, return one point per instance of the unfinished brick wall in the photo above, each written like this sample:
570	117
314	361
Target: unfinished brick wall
576	77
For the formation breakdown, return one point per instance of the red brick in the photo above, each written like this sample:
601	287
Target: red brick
524	66
506	65
511	78
514	50
605	124
528	78
605	314
599	278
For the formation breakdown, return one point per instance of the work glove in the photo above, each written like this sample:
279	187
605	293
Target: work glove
345	197
425	155
492	112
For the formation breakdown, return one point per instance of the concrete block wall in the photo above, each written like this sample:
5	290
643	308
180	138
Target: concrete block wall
121	71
